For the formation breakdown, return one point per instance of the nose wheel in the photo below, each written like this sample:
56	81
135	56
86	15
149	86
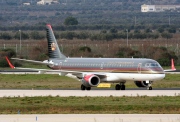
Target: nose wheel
149	87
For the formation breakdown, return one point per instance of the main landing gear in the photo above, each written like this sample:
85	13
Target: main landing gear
85	88
120	86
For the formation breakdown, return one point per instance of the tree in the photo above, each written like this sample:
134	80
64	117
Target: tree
23	35
147	30
127	52
85	49
6	52
70	21
36	35
5	36
68	35
172	30
166	35
113	30
161	30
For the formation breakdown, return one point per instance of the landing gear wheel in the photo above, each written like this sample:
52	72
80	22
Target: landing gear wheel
123	87
117	87
88	88
150	88
83	87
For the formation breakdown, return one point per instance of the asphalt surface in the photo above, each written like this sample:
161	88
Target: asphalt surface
92	93
91	118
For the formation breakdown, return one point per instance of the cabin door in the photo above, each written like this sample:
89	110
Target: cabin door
102	64
139	67
60	65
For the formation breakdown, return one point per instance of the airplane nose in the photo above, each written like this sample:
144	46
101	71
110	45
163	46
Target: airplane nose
157	71
159	76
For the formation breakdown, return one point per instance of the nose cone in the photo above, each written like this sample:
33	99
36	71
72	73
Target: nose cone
160	76
158	73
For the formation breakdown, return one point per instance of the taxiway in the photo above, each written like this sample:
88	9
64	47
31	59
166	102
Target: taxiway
91	118
92	93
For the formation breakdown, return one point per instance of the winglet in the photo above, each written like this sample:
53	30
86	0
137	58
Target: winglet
10	64
172	65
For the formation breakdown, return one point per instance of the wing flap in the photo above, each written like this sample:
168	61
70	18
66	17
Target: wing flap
41	71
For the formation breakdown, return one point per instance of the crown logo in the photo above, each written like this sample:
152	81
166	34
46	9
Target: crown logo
53	46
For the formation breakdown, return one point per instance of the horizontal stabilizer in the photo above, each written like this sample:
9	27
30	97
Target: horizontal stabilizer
172	67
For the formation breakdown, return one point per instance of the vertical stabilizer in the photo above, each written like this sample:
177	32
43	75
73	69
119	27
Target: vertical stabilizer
53	48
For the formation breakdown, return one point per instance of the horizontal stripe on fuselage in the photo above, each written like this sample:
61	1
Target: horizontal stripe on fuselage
113	70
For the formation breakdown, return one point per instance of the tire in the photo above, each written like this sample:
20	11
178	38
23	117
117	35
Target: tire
117	87
150	88
83	87
123	87
88	88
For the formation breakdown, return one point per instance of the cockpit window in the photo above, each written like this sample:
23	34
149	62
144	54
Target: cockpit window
152	65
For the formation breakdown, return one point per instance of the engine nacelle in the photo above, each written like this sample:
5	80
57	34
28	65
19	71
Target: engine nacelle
90	80
141	83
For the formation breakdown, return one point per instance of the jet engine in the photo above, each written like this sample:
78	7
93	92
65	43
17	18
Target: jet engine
90	80
141	83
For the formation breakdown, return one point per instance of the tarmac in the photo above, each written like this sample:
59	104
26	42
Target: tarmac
91	93
91	118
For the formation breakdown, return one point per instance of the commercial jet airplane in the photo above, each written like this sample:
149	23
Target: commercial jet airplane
93	71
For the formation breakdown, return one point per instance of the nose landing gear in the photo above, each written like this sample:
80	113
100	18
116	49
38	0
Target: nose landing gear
149	86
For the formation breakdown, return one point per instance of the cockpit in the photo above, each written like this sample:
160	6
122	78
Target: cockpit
152	65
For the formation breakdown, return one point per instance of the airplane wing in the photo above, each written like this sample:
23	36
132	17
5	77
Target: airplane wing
33	61
42	71
34	69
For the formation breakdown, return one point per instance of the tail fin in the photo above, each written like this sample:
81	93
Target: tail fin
53	49
172	65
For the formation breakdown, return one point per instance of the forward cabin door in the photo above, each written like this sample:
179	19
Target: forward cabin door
139	67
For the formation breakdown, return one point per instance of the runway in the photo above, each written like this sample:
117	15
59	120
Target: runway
91	118
92	93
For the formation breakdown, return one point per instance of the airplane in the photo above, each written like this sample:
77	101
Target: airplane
93	71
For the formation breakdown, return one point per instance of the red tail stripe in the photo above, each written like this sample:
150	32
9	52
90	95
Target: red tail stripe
49	26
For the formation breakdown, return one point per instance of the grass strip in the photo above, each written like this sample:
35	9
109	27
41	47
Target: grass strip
54	81
91	105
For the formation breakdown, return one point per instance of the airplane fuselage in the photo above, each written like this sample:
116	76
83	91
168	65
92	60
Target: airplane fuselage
115	69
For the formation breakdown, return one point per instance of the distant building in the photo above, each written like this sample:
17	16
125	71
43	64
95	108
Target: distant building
26	3
47	2
158	8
